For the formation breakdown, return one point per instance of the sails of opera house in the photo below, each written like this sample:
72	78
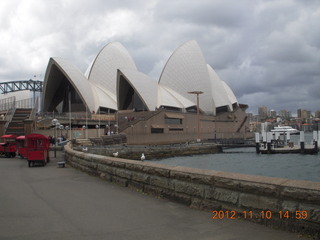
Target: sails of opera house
144	109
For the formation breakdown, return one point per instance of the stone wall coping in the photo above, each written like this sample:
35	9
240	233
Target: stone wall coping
282	182
302	184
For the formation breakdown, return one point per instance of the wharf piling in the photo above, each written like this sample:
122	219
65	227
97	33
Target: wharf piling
302	145
257	140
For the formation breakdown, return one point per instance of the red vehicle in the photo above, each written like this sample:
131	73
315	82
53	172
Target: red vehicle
21	145
8	148
37	149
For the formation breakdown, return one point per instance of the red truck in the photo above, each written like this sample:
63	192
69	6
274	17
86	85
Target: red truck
21	146
37	149
8	148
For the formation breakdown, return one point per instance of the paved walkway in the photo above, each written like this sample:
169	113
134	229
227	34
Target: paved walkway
64	203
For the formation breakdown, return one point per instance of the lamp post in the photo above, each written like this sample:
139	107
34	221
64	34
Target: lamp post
69	103
97	127
61	127
99	122
109	123
86	128
84	131
117	127
117	122
55	123
198	117
67	128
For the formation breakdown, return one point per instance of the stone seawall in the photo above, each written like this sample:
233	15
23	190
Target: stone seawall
287	204
154	151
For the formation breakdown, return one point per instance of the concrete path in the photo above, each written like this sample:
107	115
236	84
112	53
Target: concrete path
64	203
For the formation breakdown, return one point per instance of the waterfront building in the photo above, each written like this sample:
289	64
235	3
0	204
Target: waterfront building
164	110
113	82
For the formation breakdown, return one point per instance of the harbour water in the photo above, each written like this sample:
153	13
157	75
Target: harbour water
246	161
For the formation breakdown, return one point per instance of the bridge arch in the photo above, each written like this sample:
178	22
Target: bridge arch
21	85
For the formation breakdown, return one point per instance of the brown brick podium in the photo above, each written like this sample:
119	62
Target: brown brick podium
28	126
2	123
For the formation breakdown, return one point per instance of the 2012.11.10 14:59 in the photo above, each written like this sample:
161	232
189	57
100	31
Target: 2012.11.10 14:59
265	214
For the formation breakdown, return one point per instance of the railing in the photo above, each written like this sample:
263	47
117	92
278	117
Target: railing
243	123
10	105
10	102
34	109
25	103
77	115
139	116
8	118
234	142
7	103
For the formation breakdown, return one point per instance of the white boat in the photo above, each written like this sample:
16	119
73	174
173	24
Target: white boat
285	129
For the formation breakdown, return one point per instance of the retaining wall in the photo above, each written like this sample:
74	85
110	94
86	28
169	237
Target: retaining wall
152	152
277	202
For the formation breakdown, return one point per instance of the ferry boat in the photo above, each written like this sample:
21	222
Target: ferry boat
285	129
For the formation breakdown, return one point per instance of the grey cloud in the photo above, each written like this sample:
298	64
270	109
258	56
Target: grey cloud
219	13
267	51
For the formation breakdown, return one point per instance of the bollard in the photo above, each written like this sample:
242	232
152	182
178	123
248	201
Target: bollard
269	139
264	138
257	137
302	141
315	140
288	137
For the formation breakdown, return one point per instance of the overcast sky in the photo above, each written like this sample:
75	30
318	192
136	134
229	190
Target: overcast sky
267	51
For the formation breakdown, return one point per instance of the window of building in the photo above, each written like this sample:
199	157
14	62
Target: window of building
157	130
173	121
176	129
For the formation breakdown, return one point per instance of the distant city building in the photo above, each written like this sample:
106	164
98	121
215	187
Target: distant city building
273	113
303	121
263	112
304	114
250	117
299	113
284	114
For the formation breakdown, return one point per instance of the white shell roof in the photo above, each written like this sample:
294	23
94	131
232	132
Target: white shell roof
168	97
144	85
219	93
104	68
104	97
186	71
75	77
232	98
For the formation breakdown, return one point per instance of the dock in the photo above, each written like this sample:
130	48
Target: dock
309	149
268	143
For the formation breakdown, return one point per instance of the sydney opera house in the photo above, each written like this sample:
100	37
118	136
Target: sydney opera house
156	111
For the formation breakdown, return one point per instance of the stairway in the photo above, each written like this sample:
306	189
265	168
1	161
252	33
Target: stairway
16	125
126	121
243	122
